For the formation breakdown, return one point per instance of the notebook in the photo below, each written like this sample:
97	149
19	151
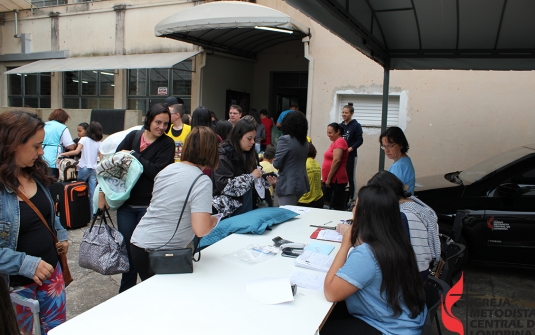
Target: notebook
314	261
320	248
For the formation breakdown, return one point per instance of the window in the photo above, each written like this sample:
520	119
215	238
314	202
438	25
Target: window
88	89
368	108
45	3
147	87
29	90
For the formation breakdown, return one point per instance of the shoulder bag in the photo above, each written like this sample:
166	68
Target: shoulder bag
172	261
103	248
67	277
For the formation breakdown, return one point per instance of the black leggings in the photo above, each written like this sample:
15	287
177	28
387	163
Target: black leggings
340	322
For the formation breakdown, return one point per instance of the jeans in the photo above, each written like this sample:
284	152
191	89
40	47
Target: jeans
127	220
90	177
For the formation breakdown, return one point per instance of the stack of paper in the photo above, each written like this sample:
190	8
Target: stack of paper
314	261
327	235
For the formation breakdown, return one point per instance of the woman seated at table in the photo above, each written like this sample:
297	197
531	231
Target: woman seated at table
158	225
396	146
422	221
238	172
374	277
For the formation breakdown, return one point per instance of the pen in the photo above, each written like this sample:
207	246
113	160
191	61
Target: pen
324	227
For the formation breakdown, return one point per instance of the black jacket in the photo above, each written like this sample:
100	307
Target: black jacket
154	159
230	166
352	135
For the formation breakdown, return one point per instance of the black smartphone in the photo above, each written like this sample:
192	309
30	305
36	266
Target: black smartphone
270	174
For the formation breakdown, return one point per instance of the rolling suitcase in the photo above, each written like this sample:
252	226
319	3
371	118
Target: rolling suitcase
72	203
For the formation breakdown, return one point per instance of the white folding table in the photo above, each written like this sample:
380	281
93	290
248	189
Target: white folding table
213	299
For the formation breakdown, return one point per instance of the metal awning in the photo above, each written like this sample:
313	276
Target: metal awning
11	5
433	34
144	61
233	27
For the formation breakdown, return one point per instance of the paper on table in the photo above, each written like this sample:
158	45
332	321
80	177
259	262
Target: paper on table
270	290
314	261
329	235
313	281
297	209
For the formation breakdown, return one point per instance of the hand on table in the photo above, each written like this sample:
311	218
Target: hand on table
342	228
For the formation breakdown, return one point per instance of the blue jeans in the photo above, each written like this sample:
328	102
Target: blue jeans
127	220
90	177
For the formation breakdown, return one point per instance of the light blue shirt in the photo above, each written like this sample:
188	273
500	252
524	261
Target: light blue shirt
403	169
362	270
283	114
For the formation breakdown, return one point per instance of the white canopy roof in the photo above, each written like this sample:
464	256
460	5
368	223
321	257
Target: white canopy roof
232	27
156	60
11	5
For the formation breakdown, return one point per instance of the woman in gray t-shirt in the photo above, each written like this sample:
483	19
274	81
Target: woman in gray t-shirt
171	186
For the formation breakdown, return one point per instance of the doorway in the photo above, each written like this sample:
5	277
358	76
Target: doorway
288	88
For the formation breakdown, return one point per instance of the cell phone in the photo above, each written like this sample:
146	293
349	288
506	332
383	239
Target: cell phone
270	174
278	241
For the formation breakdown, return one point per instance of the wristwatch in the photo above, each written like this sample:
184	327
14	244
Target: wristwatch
132	152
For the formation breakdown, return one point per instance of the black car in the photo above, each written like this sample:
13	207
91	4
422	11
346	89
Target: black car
499	194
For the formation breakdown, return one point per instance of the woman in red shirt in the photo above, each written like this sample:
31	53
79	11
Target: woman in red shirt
268	124
333	172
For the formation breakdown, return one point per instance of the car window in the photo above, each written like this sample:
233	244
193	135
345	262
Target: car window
492	164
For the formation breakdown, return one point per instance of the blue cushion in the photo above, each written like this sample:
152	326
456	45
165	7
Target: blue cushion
255	222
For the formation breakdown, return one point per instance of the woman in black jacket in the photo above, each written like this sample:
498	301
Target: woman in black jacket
237	171
154	150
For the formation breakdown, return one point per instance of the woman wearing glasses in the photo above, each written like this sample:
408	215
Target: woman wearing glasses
396	146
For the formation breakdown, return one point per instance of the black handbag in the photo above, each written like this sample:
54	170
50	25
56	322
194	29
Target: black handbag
173	261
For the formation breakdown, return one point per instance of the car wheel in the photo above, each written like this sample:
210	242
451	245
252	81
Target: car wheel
446	229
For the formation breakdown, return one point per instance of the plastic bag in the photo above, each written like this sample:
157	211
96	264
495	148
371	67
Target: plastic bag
117	174
253	254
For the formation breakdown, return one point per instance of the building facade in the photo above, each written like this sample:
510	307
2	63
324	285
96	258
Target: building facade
452	119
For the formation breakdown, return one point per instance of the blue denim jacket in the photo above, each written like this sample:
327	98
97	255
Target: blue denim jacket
13	262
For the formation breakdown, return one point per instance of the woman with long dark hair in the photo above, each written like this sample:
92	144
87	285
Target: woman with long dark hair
422	221
374	277
291	158
237	171
29	257
154	150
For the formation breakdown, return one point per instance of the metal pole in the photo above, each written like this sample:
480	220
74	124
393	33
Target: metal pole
384	116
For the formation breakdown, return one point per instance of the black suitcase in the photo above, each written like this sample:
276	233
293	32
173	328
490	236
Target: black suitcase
72	203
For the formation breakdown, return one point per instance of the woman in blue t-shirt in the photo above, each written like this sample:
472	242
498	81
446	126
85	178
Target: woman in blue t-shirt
374	276
396	146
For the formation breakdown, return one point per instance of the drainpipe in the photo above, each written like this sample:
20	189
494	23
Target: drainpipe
16	11
199	76
306	41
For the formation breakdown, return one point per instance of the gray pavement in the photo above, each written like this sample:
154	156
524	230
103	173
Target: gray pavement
489	282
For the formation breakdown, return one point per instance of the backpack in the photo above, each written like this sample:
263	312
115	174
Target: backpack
67	168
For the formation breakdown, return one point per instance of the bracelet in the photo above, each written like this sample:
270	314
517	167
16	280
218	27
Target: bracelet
132	152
